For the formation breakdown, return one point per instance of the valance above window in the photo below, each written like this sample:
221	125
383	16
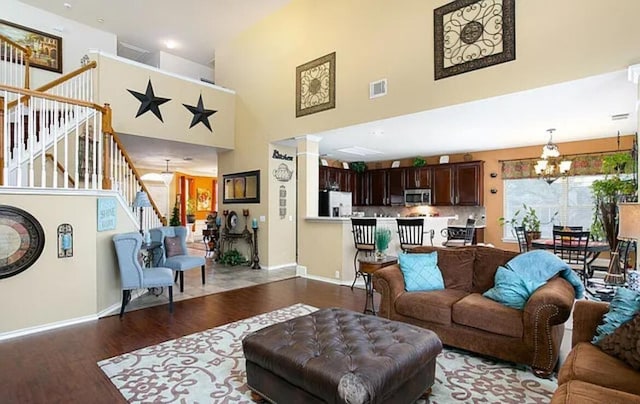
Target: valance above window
583	164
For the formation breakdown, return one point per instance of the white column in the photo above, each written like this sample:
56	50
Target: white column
308	155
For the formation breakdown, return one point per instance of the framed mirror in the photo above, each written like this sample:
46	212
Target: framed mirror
241	187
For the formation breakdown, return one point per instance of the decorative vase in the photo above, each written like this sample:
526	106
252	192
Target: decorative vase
380	255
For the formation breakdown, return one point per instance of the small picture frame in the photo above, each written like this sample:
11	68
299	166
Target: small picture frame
444	159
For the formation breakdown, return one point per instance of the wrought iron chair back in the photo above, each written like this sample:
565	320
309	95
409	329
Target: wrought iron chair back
572	248
410	232
521	235
364	240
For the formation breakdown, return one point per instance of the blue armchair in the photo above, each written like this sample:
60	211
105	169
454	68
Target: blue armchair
132	275
174	252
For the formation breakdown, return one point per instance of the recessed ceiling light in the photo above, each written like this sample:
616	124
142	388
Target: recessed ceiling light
67	5
170	44
100	20
187	158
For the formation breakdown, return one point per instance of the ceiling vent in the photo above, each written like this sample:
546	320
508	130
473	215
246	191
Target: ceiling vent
378	88
619	117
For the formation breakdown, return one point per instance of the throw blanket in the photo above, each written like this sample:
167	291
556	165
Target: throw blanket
520	277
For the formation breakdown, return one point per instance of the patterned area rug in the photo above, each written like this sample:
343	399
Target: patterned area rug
208	367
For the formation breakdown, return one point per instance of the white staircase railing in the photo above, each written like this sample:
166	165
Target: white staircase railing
14	64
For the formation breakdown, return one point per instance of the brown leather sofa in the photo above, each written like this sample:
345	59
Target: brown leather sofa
589	375
463	318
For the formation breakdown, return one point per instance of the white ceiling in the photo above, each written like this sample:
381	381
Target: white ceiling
580	109
197	26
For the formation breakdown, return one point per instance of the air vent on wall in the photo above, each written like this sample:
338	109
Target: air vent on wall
378	88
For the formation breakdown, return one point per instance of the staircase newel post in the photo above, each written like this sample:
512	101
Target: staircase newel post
106	156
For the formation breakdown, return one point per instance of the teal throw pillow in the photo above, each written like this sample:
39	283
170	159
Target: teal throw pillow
509	289
421	272
623	307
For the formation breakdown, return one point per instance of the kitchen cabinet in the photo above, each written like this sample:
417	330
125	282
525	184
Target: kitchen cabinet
333	178
418	177
384	187
457	184
376	182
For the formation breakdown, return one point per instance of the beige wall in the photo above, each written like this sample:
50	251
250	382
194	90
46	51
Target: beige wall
555	42
282	228
116	76
62	289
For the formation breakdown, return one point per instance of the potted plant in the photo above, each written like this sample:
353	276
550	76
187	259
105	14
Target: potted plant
191	210
608	192
419	162
175	215
358	166
527	217
383	237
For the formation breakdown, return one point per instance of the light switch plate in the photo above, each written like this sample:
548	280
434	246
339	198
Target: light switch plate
263	218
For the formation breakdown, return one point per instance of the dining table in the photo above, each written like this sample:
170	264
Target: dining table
594	249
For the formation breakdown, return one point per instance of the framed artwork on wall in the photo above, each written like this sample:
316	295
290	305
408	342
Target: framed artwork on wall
203	196
47	48
316	85
241	187
472	34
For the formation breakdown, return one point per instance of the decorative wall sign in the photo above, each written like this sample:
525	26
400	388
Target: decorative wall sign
282	202
316	85
472	34
279	156
200	114
149	101
241	187
107	214
65	240
47	48
283	173
21	240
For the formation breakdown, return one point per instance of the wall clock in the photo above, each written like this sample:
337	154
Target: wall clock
21	240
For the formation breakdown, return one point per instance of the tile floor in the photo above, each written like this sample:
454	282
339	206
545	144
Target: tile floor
218	278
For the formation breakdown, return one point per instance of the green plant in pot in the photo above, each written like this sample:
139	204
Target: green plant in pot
191	210
527	217
419	162
175	215
608	192
383	238
358	166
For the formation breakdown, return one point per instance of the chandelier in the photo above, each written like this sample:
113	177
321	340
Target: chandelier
551	165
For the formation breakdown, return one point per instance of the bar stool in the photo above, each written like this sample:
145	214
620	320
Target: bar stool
460	237
364	239
411	232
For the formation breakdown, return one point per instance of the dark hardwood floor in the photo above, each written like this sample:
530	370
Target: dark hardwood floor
59	366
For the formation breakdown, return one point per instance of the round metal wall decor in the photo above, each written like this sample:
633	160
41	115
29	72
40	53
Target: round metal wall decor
21	240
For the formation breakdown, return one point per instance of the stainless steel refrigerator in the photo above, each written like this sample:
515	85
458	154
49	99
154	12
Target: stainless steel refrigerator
334	204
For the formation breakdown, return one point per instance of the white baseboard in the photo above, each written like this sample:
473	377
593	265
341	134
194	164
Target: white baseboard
359	283
46	327
271	268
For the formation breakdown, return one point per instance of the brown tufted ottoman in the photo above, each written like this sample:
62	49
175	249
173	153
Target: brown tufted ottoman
339	356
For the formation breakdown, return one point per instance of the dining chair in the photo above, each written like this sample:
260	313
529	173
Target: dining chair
460	237
410	232
364	239
566	228
175	255
521	235
572	248
133	275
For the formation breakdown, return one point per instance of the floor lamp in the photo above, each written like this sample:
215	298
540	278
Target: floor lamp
628	229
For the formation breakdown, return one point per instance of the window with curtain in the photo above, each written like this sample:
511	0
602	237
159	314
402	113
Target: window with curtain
570	197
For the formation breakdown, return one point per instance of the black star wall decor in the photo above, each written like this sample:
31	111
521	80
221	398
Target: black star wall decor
149	101
200	114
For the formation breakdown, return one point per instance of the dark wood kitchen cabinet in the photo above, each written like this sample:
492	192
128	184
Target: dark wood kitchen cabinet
457	184
418	177
376	183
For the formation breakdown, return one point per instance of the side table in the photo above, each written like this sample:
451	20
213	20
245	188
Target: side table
367	266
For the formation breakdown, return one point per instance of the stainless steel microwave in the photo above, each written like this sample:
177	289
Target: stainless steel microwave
417	197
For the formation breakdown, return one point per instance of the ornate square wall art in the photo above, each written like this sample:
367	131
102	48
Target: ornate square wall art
472	34
316	85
